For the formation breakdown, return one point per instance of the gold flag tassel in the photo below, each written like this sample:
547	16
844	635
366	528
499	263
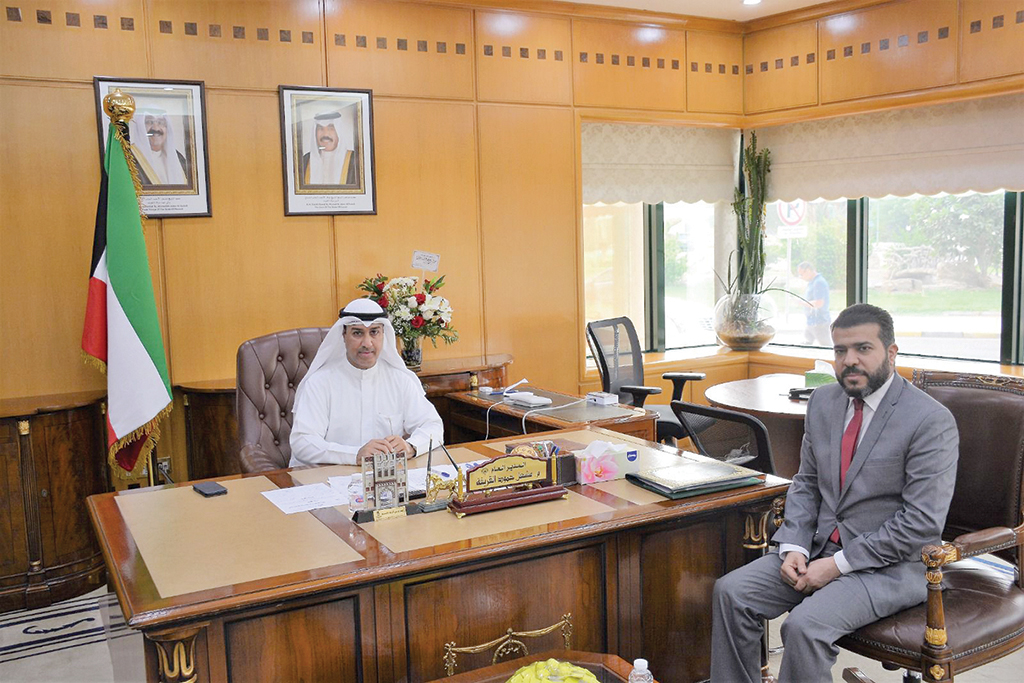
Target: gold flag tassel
152	429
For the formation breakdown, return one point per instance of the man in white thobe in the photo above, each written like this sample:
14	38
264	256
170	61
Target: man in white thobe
358	398
329	150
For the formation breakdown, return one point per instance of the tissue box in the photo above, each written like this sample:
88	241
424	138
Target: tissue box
817	379
606	466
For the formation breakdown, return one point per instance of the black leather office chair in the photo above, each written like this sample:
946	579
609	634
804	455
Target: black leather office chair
726	435
620	361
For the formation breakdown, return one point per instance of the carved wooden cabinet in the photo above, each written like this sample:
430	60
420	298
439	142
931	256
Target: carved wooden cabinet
211	426
52	456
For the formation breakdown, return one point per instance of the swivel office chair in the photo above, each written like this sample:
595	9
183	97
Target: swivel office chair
731	436
620	362
269	368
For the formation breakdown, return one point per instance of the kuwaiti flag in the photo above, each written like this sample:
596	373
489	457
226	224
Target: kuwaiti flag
122	330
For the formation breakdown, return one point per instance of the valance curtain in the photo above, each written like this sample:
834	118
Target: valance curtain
973	145
632	163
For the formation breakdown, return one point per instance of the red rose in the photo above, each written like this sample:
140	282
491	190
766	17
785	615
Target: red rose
417	322
380	286
383	301
420	298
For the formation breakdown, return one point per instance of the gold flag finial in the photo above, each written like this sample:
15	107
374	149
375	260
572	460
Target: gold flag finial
119	106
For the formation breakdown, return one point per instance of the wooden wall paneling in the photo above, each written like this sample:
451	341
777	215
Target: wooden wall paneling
426	200
73	40
628	66
449	608
909	45
399	48
255	44
515	58
714	72
992	42
529	229
49	182
780	68
247	270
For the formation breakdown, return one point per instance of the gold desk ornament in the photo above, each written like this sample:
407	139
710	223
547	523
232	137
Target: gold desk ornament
507	645
119	106
505	481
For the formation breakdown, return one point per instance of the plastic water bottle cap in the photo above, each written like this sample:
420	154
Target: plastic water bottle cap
640	664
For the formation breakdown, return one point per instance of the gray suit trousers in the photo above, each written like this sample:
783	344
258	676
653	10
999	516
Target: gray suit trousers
753	592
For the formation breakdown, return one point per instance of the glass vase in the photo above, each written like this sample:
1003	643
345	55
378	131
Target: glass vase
412	353
744	322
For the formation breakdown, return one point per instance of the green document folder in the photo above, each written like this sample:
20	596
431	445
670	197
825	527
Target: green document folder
695	478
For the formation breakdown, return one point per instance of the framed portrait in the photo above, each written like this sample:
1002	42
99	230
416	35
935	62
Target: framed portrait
167	135
327	148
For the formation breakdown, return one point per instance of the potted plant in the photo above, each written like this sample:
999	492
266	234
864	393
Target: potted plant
743	317
415	313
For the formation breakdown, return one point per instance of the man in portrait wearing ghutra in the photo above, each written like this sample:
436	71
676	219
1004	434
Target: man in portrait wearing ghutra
358	398
153	143
329	143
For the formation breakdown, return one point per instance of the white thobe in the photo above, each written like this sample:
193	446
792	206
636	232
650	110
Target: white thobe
343	407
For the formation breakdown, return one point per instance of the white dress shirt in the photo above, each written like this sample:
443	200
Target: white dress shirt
343	407
871	403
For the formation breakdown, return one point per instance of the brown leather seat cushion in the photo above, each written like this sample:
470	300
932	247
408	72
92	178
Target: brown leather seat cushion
982	606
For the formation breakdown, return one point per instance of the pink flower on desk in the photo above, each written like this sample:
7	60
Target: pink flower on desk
601	468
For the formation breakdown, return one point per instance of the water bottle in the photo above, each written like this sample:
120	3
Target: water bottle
640	673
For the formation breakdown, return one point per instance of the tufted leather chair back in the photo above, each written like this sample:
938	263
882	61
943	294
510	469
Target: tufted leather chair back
269	369
989	413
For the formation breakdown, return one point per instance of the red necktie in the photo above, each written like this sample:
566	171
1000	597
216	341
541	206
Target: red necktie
849	447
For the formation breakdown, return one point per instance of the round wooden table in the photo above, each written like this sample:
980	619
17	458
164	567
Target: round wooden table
767	398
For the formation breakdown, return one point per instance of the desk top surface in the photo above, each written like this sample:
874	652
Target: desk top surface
767	394
260	555
564	409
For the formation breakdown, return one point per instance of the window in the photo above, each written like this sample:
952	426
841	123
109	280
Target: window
613	263
936	264
812	235
689	231
947	267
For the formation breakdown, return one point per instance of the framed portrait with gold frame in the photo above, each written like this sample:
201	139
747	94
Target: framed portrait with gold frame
167	135
327	151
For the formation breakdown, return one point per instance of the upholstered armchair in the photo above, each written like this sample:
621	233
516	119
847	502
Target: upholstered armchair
975	611
269	368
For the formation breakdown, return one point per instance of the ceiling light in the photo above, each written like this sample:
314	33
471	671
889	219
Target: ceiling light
751	2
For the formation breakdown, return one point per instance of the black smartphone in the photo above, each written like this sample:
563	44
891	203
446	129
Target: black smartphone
209	488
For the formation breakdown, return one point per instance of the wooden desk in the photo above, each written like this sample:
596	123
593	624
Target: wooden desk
767	398
211	427
635	576
606	668
468	419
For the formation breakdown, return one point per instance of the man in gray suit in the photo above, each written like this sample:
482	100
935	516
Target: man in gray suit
877	469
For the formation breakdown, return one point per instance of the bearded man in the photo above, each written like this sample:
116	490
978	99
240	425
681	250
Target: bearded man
358	398
877	469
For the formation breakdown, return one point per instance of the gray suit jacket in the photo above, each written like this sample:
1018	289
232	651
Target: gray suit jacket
897	491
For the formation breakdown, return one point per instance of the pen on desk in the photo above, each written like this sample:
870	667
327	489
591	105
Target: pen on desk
450	457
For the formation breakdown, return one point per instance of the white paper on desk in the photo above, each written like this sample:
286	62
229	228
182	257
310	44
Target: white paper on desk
304	498
417	478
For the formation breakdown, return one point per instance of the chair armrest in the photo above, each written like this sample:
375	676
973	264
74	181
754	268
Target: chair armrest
679	379
640	394
852	674
975	543
255	459
986	541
